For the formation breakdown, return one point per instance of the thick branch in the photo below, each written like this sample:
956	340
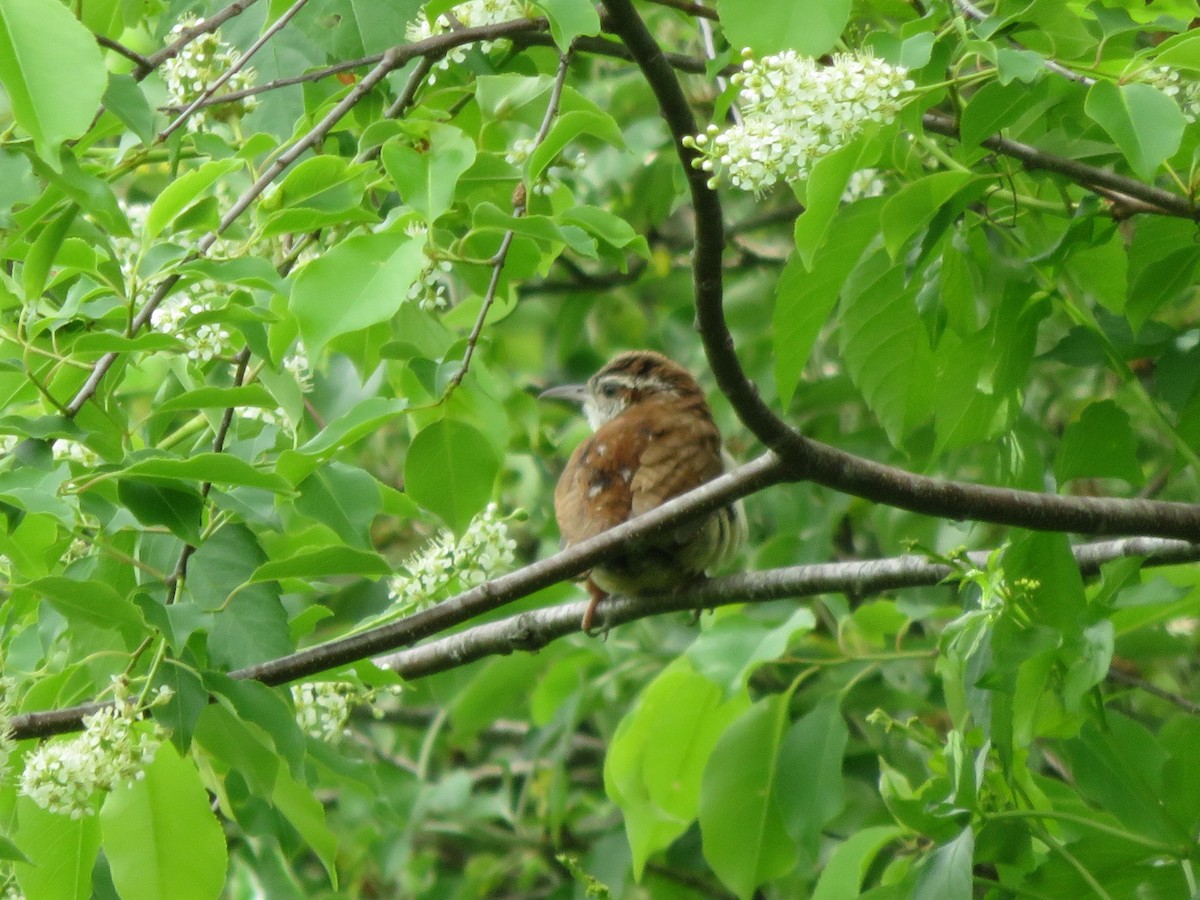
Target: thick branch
821	463
532	630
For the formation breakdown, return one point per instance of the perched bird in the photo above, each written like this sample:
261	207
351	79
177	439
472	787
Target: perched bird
654	439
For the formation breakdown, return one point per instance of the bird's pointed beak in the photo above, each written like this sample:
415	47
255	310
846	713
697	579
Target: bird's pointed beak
572	393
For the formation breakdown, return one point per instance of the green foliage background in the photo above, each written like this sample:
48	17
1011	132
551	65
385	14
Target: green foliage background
980	321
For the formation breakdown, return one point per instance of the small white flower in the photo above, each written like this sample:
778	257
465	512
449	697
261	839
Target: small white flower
200	64
1184	91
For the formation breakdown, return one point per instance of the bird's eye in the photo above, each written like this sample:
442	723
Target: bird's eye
609	389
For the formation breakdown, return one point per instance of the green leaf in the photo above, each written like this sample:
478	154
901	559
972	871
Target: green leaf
1100	444
450	470
769	26
93	602
322	563
1145	123
810	772
993	107
154	503
52	71
804	297
183	192
364	417
112	342
242	746
307	816
61	852
360	282
160	835
742	826
570	19
729	652
124	98
43	252
218	468
344	498
655	762
426	177
565	129
947	873
823	195
915	204
885	347
842	877
219	398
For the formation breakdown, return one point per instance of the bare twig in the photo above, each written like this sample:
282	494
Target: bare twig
691	7
520	205
117	47
187	35
241	63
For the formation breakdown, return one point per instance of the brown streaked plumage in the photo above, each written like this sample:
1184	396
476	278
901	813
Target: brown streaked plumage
654	439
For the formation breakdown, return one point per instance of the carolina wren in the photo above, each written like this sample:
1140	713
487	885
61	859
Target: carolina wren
654	439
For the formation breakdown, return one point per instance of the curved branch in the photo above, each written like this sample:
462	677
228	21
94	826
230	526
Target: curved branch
828	466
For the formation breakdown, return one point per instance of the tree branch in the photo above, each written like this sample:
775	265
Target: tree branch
811	460
534	629
531	630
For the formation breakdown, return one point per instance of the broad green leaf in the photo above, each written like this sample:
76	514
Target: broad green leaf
569	19
89	601
52	71
219	398
992	108
365	417
1099	444
177	508
769	26
42	254
219	468
805	296
221	564
915	204
427	176
565	129
728	652
947	872
743	829
251	628
241	746
343	497
1145	123
885	346
124	98
450	470
655	762
181	193
823	195
360	282
160	835
322	563
810	774
843	874
61	852
611	229
306	814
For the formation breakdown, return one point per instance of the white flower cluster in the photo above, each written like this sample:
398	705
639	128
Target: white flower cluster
323	707
472	14
795	111
552	176
298	366
200	64
485	549
63	776
1184	91
205	342
862	184
429	290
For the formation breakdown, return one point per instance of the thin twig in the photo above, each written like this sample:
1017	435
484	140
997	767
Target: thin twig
140	61
240	64
691	7
187	35
971	11
520	205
